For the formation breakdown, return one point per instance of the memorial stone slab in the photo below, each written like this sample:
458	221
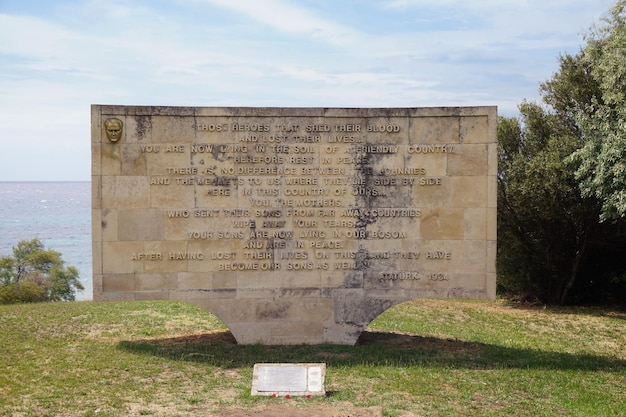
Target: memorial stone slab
296	379
293	225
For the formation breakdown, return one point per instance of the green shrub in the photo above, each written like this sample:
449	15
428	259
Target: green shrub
35	274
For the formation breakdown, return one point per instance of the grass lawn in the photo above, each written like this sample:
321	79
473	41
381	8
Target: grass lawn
422	358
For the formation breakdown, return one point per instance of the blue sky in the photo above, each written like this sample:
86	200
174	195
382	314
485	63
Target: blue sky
58	57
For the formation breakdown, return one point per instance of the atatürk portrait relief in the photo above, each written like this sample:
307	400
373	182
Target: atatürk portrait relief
113	129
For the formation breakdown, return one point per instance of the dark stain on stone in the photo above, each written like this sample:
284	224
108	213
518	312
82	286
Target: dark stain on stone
362	259
274	310
352	280
143	124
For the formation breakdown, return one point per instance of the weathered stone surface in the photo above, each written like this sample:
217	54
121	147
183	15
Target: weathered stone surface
293	225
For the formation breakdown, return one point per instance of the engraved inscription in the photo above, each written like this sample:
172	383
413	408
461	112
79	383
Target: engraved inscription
294	196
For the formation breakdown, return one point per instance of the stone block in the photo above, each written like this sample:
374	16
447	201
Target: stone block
468	191
125	192
118	283
156	282
196	281
125	257
442	223
474	129
475	223
469	160
136	224
441	130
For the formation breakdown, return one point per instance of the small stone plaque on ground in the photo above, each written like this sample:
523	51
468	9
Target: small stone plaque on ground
294	379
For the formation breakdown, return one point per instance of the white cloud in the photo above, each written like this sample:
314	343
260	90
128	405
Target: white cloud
31	36
495	5
272	52
283	16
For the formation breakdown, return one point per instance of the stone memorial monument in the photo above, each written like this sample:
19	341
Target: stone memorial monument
293	225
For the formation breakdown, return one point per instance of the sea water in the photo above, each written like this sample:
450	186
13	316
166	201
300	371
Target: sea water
58	213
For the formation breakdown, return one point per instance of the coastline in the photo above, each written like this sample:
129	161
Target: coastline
57	212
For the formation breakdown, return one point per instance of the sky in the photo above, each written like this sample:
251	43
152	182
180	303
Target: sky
57	57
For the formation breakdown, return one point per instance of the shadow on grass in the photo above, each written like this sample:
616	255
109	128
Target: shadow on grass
373	348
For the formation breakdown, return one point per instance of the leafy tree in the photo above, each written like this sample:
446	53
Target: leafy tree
601	162
544	225
35	273
561	177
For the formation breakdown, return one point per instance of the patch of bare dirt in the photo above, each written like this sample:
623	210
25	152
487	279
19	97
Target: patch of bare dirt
215	337
285	410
